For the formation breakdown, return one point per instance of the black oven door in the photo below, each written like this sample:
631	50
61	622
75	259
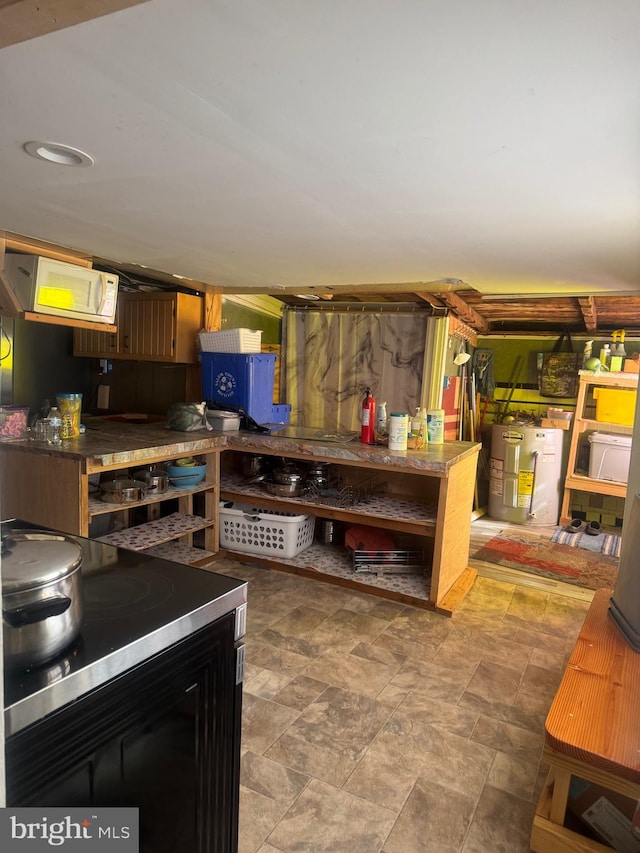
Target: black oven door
164	736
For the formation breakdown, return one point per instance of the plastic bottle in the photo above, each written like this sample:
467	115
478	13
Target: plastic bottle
367	419
54	427
423	425
587	352
415	423
605	354
435	426
419	429
381	419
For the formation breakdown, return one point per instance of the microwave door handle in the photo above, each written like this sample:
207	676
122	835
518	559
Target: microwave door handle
103	290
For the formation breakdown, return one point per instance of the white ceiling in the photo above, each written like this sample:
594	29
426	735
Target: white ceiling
257	143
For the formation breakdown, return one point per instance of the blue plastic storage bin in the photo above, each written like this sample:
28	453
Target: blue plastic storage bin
236	379
280	414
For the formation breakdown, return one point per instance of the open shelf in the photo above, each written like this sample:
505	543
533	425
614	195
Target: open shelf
398	513
100	507
156	532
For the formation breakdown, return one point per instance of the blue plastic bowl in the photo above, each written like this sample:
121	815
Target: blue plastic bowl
186	475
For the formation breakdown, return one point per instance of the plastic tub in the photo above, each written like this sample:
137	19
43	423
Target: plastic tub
13	422
267	532
610	457
615	405
240	380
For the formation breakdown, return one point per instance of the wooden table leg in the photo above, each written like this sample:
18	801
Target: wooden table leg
560	795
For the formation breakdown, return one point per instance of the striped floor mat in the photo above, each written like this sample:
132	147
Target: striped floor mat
604	543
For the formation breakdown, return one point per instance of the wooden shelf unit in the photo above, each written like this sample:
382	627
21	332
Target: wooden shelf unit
575	480
414	502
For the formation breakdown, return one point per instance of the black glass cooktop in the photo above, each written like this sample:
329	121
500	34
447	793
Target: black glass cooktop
135	606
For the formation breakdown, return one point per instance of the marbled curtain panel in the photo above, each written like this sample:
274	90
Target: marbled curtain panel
332	357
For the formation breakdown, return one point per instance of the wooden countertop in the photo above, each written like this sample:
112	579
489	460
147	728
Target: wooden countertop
107	444
436	460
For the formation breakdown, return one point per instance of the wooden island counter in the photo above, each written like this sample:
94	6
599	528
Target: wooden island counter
424	494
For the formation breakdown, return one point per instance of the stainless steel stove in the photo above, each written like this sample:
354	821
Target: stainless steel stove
157	662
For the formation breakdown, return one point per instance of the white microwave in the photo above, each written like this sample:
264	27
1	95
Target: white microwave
60	289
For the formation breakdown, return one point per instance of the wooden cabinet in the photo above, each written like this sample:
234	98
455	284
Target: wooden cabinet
154	326
35	477
585	422
430	507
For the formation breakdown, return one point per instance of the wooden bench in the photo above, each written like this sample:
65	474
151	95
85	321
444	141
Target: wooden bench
592	730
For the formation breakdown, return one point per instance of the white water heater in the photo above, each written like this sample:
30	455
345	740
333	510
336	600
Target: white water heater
525	474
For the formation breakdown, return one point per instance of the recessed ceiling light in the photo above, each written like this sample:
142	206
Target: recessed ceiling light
61	155
310	296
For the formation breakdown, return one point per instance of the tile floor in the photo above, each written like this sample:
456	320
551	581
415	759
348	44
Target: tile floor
374	726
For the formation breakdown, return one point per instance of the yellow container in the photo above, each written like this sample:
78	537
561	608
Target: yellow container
615	405
69	407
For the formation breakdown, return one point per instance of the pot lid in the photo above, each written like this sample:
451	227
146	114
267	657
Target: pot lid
34	558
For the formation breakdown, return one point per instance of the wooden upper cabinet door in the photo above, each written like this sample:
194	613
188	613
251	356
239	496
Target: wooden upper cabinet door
86	342
160	326
151	327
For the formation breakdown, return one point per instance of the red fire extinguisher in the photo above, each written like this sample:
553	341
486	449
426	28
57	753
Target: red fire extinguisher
368	419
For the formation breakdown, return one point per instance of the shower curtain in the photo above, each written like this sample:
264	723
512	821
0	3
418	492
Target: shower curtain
333	356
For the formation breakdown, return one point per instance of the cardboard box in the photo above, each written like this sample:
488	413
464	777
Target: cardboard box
608	815
552	423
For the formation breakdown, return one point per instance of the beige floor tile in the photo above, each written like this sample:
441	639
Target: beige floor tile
351	672
433	819
325	819
495	683
501	822
422	708
278	660
513	775
258	816
520	743
329	737
271	779
263	722
406	749
266	683
348	626
413	714
300	692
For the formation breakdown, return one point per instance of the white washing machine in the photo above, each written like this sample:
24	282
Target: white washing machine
525	474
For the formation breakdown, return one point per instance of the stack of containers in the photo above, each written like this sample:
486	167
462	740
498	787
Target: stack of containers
236	374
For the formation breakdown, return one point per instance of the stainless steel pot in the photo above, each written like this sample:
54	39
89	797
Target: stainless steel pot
252	465
42	603
123	491
284	490
287	476
156	481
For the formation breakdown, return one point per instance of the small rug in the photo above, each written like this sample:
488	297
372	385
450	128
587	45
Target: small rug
603	543
537	556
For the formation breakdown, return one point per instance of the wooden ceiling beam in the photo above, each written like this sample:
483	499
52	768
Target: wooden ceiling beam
465	312
589	313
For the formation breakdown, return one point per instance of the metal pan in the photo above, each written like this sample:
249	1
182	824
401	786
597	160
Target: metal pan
123	491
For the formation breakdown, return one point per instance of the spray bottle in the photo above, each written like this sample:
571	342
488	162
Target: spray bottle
618	352
368	419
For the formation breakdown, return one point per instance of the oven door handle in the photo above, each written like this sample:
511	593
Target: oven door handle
29	614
